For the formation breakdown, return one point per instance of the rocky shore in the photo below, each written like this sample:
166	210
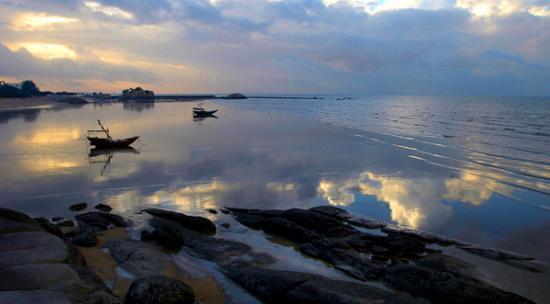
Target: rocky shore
93	259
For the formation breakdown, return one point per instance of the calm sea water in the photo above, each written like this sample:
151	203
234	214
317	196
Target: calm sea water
477	169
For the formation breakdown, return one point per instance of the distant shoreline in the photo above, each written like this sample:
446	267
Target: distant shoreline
8	104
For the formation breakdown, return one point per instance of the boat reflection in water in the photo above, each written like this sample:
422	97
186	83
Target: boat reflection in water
108	153
197	118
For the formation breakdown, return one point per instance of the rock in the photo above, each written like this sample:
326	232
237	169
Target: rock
101	220
235	96
65	223
59	277
17	217
84	235
78	207
13	221
32	297
343	258
426	237
213	211
196	223
277	286
225	211
49	227
146	236
57	219
495	254
445	287
343	215
225	225
103	207
159	290
168	238
221	251
332	211
445	263
136	257
31	248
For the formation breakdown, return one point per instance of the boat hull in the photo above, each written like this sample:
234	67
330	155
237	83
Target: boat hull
202	113
111	143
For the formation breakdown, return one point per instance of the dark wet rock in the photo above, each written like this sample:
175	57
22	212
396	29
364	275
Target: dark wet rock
49	227
213	211
84	235
445	263
57	218
103	207
137	257
65	223
101	220
78	207
159	290
31	248
332	211
146	236
13	221
445	287
427	237
168	238
225	211
340	255
42	267
196	223
222	251
225	225
74	256
495	254
343	215
40	276
276	286
33	296
16	216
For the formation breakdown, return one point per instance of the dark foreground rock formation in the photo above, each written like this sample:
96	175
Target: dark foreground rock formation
399	258
39	267
159	290
390	265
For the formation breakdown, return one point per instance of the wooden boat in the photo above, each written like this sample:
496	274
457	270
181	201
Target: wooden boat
100	142
109	142
203	113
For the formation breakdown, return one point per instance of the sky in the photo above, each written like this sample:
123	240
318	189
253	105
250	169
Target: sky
353	47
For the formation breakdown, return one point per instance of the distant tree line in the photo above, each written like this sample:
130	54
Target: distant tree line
26	88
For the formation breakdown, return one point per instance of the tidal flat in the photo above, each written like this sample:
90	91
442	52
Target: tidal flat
258	161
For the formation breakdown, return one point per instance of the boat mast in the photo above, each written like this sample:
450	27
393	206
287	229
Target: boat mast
106	130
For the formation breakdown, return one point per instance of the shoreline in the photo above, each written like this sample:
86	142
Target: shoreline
403	261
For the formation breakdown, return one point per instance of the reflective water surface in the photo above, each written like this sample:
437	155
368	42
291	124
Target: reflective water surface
465	182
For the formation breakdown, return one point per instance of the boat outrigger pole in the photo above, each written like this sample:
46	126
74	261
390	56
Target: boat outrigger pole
103	130
106	130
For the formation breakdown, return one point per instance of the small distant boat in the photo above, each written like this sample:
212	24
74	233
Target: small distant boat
201	112
109	142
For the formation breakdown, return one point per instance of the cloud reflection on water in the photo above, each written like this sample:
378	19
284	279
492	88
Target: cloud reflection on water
414	202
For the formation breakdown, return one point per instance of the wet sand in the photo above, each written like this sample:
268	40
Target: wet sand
103	264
